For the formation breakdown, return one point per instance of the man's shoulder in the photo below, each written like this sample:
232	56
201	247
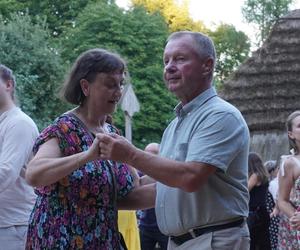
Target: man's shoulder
222	107
20	119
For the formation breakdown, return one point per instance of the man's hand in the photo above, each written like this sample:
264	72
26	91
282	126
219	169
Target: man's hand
115	147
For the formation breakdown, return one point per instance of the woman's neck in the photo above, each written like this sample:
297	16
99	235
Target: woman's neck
94	122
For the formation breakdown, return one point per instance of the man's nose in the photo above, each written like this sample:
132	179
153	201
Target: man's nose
118	90
170	66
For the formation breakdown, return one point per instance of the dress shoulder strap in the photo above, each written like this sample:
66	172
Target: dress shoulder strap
283	158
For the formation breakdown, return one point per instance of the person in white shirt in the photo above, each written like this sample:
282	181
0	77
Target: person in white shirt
17	135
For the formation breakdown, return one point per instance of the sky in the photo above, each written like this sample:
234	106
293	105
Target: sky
213	12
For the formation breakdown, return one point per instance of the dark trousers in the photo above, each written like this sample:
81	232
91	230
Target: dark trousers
150	237
258	222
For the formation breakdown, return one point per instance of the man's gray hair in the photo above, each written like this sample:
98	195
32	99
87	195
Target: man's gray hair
6	74
203	44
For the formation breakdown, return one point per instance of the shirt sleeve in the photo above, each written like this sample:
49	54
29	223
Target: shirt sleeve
16	151
218	140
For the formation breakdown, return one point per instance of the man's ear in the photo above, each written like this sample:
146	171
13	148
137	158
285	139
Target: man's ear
9	85
85	87
208	66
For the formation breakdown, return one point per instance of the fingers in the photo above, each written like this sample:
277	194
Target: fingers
104	141
295	221
106	138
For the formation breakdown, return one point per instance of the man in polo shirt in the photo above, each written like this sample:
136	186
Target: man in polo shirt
17	135
202	195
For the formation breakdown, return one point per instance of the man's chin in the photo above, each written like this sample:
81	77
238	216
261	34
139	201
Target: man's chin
173	88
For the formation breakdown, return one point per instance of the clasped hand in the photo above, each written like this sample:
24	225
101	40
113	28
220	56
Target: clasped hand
295	221
114	147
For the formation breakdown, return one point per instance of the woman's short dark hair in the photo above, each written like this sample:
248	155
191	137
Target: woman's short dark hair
87	66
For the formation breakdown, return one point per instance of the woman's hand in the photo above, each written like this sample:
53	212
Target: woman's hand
295	221
94	151
275	212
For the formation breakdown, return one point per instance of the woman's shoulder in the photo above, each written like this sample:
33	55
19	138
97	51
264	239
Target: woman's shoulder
289	164
290	161
61	125
64	123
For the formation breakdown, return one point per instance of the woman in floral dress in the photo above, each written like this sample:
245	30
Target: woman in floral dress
289	189
78	193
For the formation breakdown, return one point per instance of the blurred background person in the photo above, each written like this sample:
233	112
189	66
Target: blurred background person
258	220
271	203
17	135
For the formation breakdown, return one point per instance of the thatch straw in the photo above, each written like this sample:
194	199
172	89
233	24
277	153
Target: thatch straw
266	88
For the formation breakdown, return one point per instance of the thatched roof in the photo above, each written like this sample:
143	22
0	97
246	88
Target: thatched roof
266	88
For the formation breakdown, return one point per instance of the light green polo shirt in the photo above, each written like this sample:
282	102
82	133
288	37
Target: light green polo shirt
208	130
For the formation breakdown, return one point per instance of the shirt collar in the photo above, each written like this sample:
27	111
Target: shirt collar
182	110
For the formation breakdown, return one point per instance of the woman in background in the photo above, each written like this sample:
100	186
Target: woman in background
258	220
272	207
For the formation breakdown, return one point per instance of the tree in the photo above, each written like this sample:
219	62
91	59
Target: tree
139	37
175	13
264	14
232	49
25	48
59	14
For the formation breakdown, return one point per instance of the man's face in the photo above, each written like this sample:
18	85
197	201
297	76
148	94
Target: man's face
6	88
183	68
2	92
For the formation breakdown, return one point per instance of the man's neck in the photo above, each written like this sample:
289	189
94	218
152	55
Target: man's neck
7	106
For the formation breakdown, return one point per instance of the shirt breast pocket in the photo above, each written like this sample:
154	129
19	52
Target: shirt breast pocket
181	152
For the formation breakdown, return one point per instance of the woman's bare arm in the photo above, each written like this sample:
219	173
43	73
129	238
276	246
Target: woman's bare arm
49	165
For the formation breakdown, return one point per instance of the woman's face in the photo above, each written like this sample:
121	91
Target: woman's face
105	92
295	133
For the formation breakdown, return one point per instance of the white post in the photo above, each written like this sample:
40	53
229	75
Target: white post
128	129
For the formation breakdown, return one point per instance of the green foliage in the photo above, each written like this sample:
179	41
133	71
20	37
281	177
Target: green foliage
232	48
139	37
25	48
60	14
264	14
176	14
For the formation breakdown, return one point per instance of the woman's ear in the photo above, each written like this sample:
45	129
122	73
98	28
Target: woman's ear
290	135
85	87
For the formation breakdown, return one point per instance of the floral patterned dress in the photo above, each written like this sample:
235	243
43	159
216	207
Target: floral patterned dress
288	238
79	211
